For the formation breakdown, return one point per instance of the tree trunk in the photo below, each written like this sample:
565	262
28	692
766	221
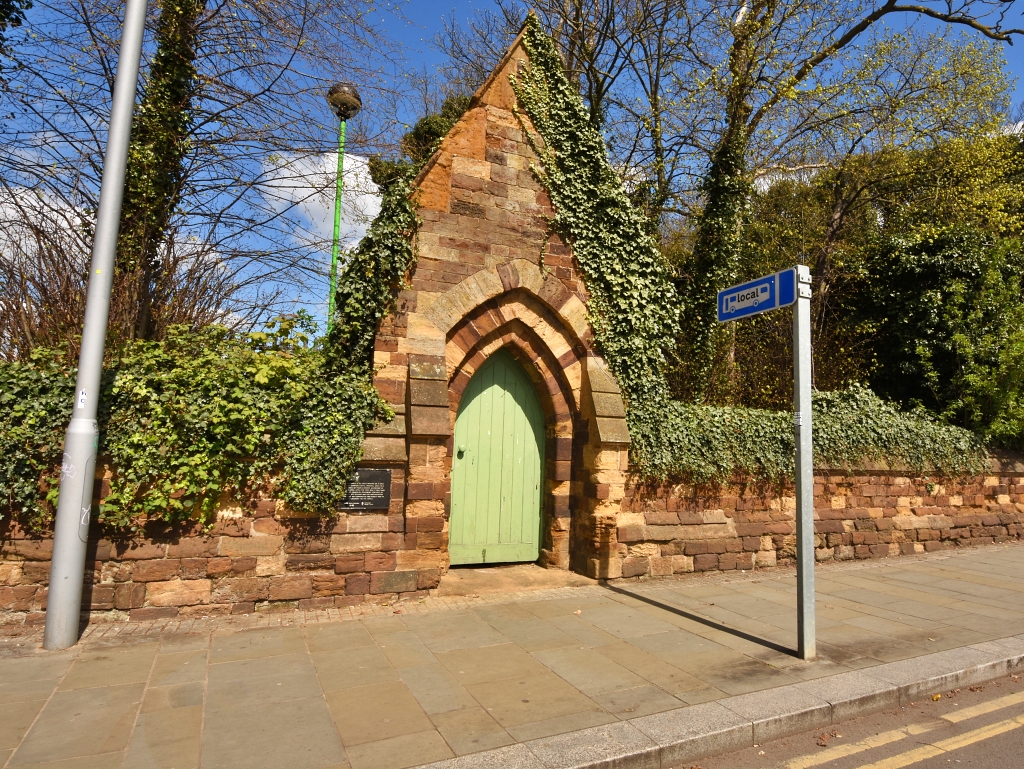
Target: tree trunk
156	160
716	255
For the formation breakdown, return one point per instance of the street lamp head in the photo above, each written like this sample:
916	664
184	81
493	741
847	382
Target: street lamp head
344	100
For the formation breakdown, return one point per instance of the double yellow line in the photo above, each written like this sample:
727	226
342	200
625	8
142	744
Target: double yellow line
925	751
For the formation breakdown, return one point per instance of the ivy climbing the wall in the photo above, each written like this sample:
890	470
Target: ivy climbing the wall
633	306
209	417
635	313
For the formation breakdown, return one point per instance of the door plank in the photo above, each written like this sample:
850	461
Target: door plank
497	479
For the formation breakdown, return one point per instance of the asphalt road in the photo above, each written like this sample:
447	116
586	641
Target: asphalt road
981	728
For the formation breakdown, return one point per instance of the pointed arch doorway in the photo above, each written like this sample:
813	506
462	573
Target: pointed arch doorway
497	467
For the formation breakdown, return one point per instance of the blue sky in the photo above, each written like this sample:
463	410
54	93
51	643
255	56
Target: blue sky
425	21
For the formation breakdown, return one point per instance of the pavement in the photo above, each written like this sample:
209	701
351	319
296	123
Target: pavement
633	674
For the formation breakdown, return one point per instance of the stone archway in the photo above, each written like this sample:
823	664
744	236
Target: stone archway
532	314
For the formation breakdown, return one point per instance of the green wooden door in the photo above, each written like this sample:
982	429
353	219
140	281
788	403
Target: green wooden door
497	470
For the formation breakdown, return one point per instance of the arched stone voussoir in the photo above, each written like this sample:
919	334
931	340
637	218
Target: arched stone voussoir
525	315
549	375
460	300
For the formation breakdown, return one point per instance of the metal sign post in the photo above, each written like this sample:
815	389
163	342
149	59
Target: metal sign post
74	506
790	287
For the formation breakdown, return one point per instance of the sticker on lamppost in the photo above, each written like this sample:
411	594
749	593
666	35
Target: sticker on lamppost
762	295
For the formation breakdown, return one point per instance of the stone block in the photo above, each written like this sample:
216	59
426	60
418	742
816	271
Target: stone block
853	694
427	367
290	588
152	613
244	546
687	734
782	711
612	431
428	392
355	543
381	449
430	420
608	405
381	561
635	566
32	573
392	582
601	379
195	568
421	559
347	564
427	579
302	542
178	592
11	573
268	565
139	551
310	562
95	597
618	744
396	427
367	523
17	598
706	562
328	585
156	571
358	584
193	547
128	596
241	589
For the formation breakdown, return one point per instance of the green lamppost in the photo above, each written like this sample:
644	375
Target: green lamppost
345	103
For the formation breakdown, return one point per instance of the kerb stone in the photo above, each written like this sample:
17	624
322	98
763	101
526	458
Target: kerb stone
853	694
685	734
956	668
512	757
778	712
613	746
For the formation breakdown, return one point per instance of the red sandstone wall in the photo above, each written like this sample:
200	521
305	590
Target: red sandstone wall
676	529
261	561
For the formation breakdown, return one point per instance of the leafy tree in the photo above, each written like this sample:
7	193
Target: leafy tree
701	101
157	158
946	311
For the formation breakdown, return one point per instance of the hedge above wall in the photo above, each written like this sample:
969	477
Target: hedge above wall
853	428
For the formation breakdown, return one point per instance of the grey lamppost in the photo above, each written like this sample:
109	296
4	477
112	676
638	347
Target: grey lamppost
74	507
345	103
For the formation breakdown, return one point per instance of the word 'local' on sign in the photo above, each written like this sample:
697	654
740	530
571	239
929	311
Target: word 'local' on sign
768	293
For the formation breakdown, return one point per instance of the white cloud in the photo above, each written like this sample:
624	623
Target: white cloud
308	183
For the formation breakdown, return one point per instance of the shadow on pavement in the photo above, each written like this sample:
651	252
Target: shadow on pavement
705	621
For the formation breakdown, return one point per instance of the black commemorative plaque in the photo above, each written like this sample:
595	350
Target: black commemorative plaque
368	489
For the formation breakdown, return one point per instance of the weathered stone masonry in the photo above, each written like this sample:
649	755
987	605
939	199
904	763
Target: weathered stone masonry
670	530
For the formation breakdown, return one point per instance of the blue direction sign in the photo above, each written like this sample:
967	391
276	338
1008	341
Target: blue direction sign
762	295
